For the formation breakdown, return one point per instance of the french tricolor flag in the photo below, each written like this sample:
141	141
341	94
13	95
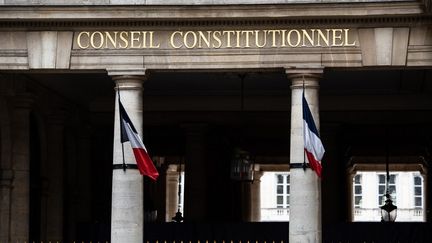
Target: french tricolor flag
129	133
313	146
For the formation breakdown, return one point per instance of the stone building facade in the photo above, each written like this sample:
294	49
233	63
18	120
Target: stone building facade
199	79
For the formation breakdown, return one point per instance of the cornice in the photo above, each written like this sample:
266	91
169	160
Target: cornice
214	12
323	14
399	21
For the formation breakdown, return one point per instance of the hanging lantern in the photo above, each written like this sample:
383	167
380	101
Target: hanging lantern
388	210
242	166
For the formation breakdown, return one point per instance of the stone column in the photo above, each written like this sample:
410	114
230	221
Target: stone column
305	198
251	200
54	175
195	200
255	188
350	173
171	200
6	176
20	193
127	186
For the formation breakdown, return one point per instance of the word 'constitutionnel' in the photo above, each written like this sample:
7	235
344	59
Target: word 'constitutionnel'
214	39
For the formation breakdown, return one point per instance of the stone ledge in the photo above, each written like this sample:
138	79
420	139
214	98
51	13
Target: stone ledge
145	12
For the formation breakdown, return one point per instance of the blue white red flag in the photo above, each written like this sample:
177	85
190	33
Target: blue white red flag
129	133
313	146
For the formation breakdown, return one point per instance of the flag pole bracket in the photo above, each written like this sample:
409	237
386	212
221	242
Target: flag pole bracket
299	166
122	166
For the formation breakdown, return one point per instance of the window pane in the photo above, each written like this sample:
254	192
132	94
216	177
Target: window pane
417	180
357	179
288	179
381	179
358	189
418	201
357	200
279	200
381	200
287	200
279	189
392	189
417	191
279	179
392	179
381	190
288	189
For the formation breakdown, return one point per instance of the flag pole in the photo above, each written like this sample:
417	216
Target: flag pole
121	130
304	153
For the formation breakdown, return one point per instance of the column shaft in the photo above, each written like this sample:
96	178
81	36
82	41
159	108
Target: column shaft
255	188
54	217
305	197
127	186
20	194
171	200
195	201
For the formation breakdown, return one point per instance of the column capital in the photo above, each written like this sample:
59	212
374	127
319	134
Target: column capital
308	76
299	71
129	82
126	72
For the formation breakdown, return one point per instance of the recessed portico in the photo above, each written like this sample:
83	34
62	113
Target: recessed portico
213	82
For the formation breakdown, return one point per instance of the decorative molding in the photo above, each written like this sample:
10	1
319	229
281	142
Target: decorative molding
324	21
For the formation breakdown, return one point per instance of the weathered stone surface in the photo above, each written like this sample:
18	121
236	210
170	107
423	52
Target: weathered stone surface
42	49
305	199
206	12
384	44
400	46
169	2
64	46
367	42
420	36
127	187
49	49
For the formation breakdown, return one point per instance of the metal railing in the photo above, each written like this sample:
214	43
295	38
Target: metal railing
275	214
403	214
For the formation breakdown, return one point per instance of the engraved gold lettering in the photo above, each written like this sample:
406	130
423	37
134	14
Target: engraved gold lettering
289	38
135	37
264	36
194	39
191	39
204	38
111	40
323	37
123	37
172	41
216	37
305	35
144	39
238	38
274	32
347	39
337	35
79	40
283	38
248	33
93	42
151	41
228	34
